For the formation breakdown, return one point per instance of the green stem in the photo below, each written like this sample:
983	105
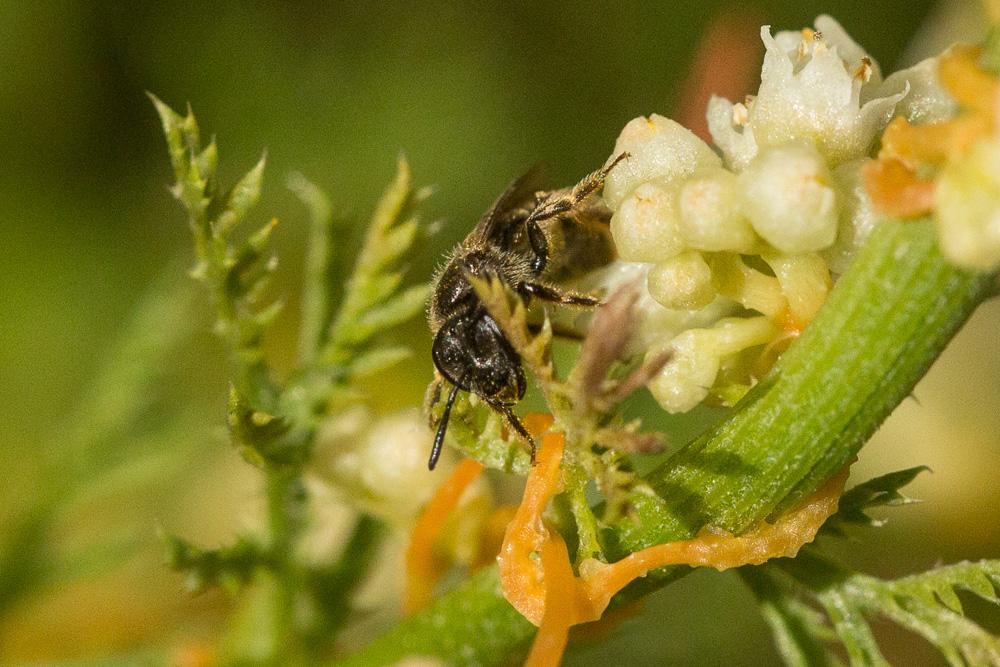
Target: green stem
586	522
884	324
286	505
333	587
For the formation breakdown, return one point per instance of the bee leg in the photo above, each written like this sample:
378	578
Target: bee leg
539	245
547	293
556	203
560	202
515	424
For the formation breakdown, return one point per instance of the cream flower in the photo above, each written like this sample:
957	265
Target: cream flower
697	356
661	151
927	100
683	282
710	214
789	198
382	460
646	225
818	85
968	208
857	216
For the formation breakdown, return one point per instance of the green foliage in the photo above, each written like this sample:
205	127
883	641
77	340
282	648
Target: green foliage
106	445
229	567
372	299
926	604
883	491
273	422
890	315
236	272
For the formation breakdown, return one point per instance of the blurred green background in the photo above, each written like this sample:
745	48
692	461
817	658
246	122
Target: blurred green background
473	94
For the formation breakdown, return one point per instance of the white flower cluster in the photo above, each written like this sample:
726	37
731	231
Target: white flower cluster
968	207
754	230
380	463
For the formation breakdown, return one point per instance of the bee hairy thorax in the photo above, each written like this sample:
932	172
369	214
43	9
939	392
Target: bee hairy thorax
455	295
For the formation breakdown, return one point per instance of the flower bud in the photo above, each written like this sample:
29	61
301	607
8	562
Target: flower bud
968	207
660	150
645	226
686	379
683	282
710	215
787	195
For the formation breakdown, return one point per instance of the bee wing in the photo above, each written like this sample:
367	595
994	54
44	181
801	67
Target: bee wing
493	223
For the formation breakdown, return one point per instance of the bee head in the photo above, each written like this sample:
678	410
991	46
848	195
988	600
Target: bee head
471	352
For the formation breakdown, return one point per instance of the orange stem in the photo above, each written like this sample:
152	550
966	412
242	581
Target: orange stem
422	568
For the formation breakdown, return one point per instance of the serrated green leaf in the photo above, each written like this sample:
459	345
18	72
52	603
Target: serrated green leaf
395	311
377	360
853	630
228	568
799	630
316	307
367	307
241	198
925	603
941	582
394	244
882	491
181	133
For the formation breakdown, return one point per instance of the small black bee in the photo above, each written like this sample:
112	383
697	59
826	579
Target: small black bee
526	239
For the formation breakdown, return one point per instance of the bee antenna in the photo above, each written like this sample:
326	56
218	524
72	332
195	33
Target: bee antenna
442	429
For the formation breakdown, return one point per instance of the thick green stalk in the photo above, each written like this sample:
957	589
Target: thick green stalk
286	501
884	324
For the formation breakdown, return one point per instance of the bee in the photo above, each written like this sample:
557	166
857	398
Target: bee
528	239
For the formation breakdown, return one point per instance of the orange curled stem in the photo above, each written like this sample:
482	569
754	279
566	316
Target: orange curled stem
932	143
422	568
537	578
972	86
560	601
896	191
521	575
538	423
782	539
